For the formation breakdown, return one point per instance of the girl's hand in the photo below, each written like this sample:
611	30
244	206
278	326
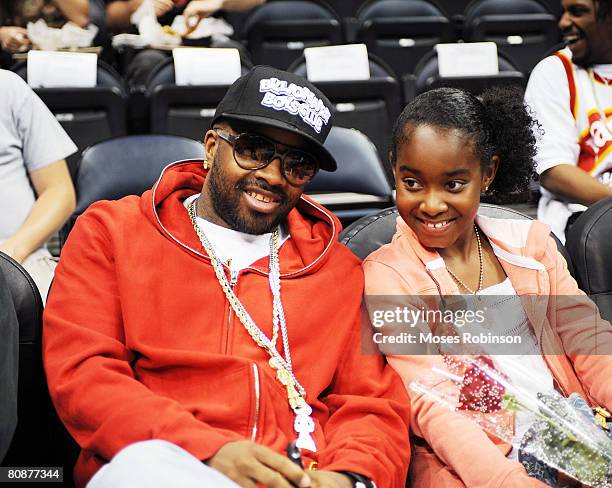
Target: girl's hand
14	39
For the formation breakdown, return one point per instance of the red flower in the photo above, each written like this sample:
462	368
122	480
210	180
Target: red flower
479	391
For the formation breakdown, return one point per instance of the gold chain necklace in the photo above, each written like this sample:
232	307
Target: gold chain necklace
296	393
481	277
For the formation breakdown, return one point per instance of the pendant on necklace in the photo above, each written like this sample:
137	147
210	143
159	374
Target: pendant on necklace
304	426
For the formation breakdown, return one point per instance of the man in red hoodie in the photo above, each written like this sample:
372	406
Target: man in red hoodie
215	319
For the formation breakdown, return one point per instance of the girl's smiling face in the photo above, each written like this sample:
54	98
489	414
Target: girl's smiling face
439	180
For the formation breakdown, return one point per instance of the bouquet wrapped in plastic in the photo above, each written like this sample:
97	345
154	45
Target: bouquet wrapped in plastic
561	437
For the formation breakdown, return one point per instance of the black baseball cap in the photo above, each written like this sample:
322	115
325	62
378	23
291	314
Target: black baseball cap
276	98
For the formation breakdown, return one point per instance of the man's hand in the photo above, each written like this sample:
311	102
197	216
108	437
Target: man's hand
329	479
14	39
247	463
162	6
202	8
11	250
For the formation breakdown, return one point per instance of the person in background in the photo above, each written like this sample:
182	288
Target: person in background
119	12
15	15
9	352
571	94
448	148
37	194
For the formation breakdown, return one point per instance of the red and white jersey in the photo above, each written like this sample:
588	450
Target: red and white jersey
574	108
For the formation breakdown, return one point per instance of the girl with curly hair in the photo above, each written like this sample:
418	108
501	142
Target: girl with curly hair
449	148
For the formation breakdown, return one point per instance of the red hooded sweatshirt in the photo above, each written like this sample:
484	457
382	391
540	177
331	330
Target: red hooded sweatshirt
140	341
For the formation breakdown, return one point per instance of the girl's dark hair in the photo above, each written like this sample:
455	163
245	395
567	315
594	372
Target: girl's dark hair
498	123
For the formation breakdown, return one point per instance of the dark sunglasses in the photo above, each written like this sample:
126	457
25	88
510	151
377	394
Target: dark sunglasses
252	152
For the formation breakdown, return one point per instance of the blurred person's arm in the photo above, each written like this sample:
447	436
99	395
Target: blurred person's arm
574	185
55	203
204	8
13	39
76	11
118	13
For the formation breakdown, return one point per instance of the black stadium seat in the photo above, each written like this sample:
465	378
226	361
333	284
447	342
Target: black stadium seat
427	76
278	31
370	106
31	443
359	186
126	166
524	30
40	438
455	8
588	242
345	8
369	233
181	110
401	32
89	115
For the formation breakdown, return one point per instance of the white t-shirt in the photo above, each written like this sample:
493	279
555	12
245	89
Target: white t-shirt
568	101
237	249
30	139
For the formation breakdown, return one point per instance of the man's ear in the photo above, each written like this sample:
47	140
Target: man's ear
211	140
489	172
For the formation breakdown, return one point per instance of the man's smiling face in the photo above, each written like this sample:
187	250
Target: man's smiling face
250	201
589	38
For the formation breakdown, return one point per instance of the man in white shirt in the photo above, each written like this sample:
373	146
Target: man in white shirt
572	97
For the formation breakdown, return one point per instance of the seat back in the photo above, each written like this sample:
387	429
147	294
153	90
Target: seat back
359	186
40	438
124	166
370	106
588	242
89	115
524	30
129	165
455	8
31	443
401	32
9	356
427	76
185	111
369	233
346	8
277	32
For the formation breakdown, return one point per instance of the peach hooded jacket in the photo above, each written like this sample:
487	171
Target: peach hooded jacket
450	450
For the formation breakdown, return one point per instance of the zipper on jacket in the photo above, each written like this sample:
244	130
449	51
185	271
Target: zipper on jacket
257	400
230	314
